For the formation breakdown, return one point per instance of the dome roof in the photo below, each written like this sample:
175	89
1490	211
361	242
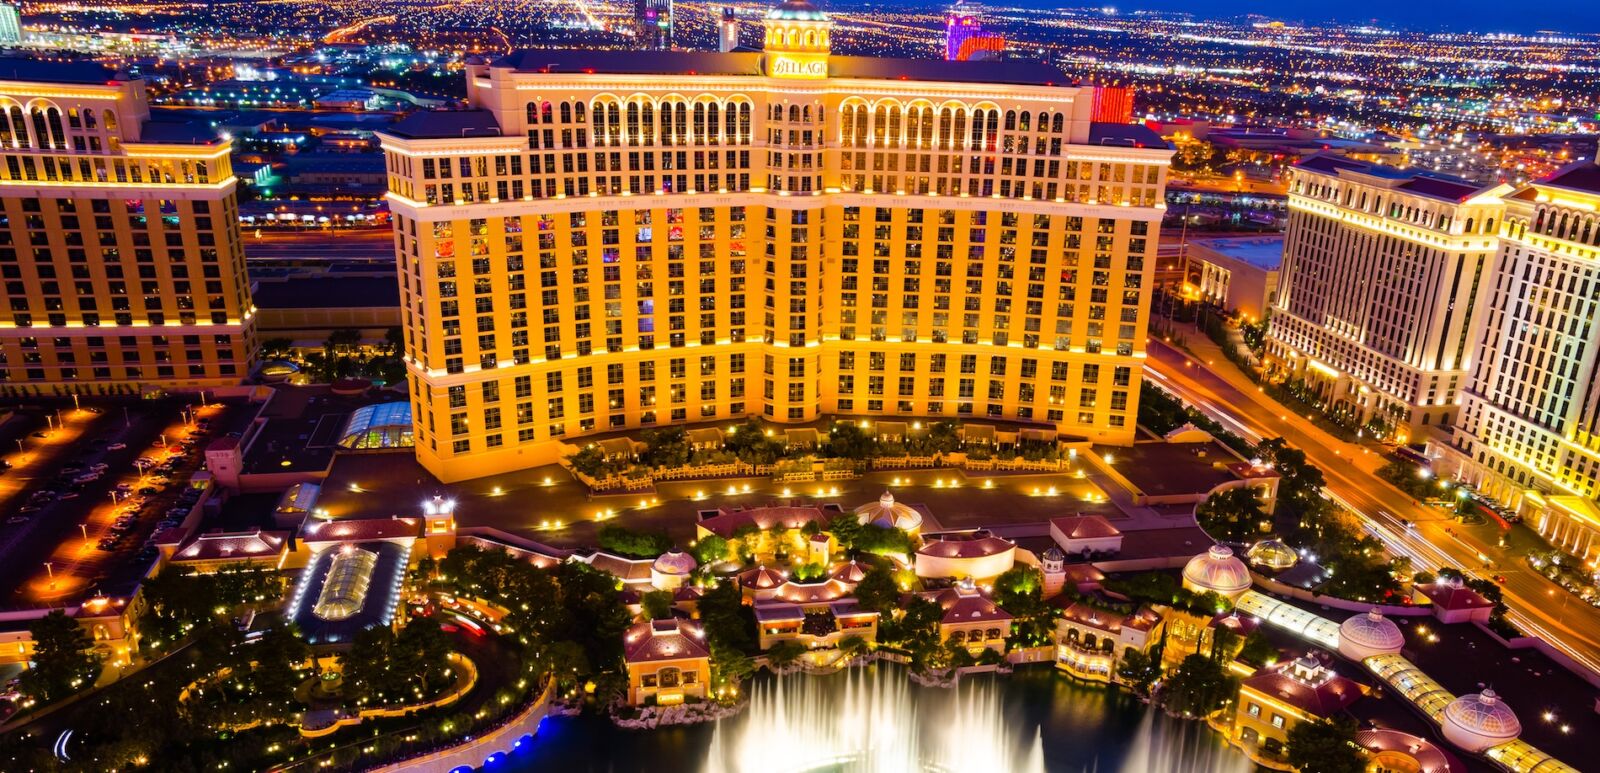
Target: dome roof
1272	554
1217	570
797	10
1363	636
1053	553
674	562
888	513
1477	722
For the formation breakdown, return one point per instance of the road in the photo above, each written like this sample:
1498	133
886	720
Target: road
1538	606
320	245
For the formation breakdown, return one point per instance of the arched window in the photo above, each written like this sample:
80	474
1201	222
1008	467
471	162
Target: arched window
111	120
1057	123
1023	123
546	113
566	112
578	112
958	637
533	113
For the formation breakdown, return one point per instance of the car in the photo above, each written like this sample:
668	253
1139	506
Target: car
118	446
16	519
108	545
99	467
1500	578
124	487
71	469
25	509
149	491
71	495
41	434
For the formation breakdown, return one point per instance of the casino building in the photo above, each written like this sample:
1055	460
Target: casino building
119	240
613	240
1383	273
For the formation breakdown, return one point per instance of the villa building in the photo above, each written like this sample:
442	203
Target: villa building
1275	699
814	624
616	240
1090	642
121	256
667	661
1383	271
971	619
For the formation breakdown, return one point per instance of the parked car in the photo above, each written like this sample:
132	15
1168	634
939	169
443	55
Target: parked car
16	519
118	446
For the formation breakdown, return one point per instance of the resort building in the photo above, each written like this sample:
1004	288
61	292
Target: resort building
1090	642
616	240
814	624
1383	271
976	555
119	244
1275	699
1529	433
971	619
667	661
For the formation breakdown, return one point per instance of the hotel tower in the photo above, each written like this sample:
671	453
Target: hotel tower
1529	433
119	241
1383	272
609	241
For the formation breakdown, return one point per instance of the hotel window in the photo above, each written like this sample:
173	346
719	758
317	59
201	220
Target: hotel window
1277	720
1253	709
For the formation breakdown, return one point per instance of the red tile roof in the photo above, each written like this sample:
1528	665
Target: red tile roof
966	606
215	546
726	522
1324	694
672	639
1085	527
1430	758
360	530
1447	595
965	545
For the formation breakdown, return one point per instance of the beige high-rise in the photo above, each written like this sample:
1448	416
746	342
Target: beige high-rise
616	240
119	243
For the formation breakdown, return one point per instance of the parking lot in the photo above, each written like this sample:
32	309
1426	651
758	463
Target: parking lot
85	500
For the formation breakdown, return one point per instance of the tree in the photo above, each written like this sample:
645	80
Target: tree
848	441
1020	590
343	340
1325	747
63	660
710	549
845	527
1233	515
394	342
633	544
1198	687
566	662
785	653
854	646
1258	650
882	539
657	604
277	348
878	591
1138	670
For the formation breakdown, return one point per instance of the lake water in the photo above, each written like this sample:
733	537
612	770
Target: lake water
875	720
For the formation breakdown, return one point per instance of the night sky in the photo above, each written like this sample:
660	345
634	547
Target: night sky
1454	15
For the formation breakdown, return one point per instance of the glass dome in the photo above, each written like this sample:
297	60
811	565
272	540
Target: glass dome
384	425
1217	570
1480	721
1363	636
1272	554
889	513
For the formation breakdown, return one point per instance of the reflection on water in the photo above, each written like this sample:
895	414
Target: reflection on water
876	721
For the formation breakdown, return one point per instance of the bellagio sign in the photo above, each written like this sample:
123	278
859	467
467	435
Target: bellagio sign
797	67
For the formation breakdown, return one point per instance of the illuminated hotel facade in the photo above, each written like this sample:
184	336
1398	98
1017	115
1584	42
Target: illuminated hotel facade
119	243
1529	433
611	241
1383	271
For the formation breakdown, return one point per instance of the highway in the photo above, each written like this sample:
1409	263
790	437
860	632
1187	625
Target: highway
320	245
1432	538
